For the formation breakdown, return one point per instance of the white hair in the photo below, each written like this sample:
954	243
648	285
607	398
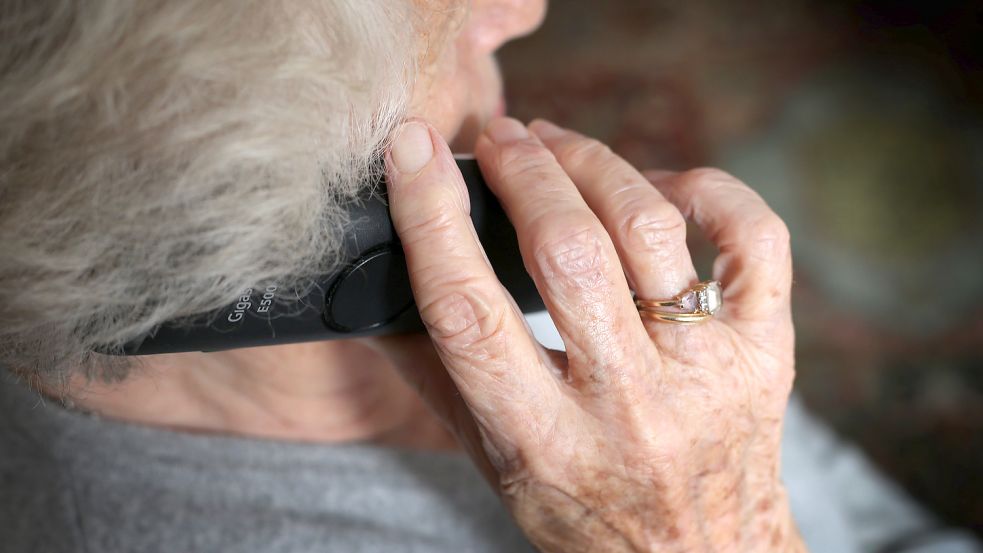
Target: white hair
159	156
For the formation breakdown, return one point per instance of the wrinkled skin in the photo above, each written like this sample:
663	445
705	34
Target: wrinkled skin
644	435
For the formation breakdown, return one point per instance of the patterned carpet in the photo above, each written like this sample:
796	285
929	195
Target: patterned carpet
861	124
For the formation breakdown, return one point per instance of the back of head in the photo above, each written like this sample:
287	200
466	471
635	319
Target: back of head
159	156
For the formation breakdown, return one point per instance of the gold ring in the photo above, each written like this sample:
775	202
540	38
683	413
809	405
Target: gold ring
693	305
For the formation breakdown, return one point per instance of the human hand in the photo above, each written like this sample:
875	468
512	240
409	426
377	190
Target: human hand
644	435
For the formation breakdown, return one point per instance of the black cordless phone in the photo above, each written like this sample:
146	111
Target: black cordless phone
368	295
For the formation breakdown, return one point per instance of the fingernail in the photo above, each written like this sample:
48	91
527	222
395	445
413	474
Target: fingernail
504	130
413	148
544	129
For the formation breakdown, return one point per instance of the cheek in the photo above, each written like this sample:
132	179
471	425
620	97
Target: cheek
444	92
443	108
458	91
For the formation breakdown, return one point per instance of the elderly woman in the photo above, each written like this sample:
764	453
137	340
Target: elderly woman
159	157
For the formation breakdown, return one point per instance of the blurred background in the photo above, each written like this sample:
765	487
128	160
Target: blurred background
861	123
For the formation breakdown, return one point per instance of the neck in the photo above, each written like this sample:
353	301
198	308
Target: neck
338	391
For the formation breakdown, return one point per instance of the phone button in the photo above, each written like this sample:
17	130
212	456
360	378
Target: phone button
371	292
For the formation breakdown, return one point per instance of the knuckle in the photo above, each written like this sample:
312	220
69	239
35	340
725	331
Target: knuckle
523	157
573	258
581	151
769	238
462	323
655	228
437	220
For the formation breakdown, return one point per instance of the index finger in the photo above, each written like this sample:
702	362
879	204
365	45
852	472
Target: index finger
481	338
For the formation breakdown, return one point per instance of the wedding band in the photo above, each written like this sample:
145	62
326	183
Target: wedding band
693	305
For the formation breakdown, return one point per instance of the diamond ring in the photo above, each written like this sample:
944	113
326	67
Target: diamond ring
693	305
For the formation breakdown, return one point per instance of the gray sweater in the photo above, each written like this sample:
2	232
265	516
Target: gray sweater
74	482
